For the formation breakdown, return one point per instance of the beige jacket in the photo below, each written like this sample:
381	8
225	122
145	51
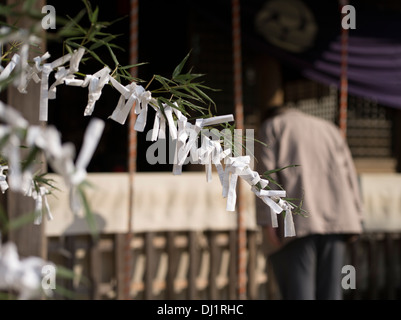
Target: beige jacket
325	178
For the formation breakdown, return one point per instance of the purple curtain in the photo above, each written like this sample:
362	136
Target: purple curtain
374	68
374	57
374	48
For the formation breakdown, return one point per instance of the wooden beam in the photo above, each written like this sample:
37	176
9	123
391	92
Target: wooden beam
29	238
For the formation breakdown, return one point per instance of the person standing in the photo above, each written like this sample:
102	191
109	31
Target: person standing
308	266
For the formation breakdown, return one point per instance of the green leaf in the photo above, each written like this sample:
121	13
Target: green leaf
94	55
269	172
28	4
164	82
30	159
20	221
168	102
272	181
75	23
113	56
130	66
7	296
187	77
88	8
90	219
93	17
189	95
178	68
40	179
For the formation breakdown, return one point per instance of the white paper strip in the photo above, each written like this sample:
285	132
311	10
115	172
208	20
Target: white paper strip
125	91
75	60
60	61
156	125
90	142
22	276
12	117
37	67
10	67
141	108
217	120
12	153
96	84
273	216
44	92
232	194
182	137
3	179
122	110
171	125
21	81
205	156
289	228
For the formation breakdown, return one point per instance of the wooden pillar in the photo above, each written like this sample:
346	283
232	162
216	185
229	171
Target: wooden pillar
269	92
95	268
120	248
150	265
193	264
132	152
397	138
173	256
269	82
29	238
373	263
252	266
343	109
239	124
232	271
214	265
390	270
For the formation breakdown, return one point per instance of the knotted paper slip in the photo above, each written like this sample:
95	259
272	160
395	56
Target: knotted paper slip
22	275
59	156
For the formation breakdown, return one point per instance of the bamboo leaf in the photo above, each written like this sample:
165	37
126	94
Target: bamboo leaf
130	66
269	172
163	81
90	219
168	102
189	95
28	4
93	17
94	55
88	8
187	77
113	56
203	94
100	42
30	158
272	181
178	68
75	23
20	221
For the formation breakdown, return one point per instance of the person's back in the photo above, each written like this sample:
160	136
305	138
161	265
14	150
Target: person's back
325	177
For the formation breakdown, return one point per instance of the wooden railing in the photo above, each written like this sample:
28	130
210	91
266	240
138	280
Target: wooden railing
202	265
377	260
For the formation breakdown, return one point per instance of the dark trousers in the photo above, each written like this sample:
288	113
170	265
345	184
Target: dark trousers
309	268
